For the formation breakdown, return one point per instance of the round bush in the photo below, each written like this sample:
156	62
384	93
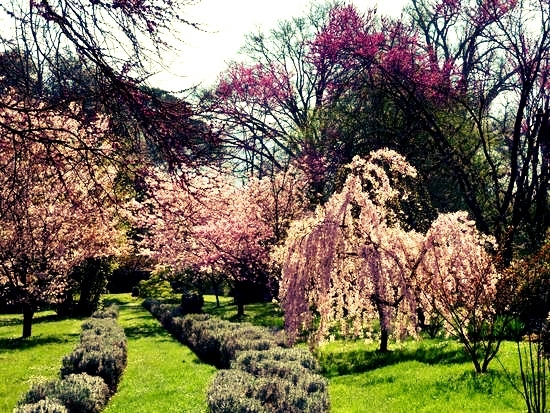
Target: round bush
191	303
79	393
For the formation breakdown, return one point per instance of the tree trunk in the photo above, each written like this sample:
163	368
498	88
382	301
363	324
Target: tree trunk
240	308
217	294
28	313
384	335
238	297
384	330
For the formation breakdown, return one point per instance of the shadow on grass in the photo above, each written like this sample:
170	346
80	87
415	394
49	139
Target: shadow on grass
114	300
30	342
53	318
146	328
139	324
39	318
359	361
261	314
12	321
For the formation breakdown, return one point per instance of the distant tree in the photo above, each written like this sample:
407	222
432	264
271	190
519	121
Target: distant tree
267	107
458	87
211	225
88	282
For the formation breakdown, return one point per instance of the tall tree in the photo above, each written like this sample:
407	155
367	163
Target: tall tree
499	51
267	107
457	87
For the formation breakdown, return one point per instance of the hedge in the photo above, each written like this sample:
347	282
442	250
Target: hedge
260	375
89	375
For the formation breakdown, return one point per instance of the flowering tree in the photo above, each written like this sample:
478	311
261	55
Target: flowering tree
352	82
458	281
101	55
294	101
207	221
53	210
351	263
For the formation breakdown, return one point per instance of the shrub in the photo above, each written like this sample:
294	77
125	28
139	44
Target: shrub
79	393
215	341
244	337
43	406
218	341
106	364
238	391
110	311
230	392
157	285
287	379
264	376
280	362
205	338
191	303
148	304
102	352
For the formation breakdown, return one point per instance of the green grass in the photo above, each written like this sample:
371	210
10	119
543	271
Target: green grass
262	314
162	375
22	361
427	376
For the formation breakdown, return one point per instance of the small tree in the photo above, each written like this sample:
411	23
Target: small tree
458	281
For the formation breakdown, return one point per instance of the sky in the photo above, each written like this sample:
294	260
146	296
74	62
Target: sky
205	54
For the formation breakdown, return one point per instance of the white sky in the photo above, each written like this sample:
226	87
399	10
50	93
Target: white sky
206	54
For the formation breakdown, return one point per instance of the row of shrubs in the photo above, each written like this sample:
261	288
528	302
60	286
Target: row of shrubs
259	375
89	375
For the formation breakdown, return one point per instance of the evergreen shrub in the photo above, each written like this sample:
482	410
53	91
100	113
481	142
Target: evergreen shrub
110	311
103	352
235	390
191	303
42	406
79	393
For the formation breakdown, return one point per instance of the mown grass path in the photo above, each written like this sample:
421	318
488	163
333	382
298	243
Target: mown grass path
162	375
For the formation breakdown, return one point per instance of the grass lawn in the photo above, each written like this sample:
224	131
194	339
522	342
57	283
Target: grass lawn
428	376
164	376
262	314
21	361
161	376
